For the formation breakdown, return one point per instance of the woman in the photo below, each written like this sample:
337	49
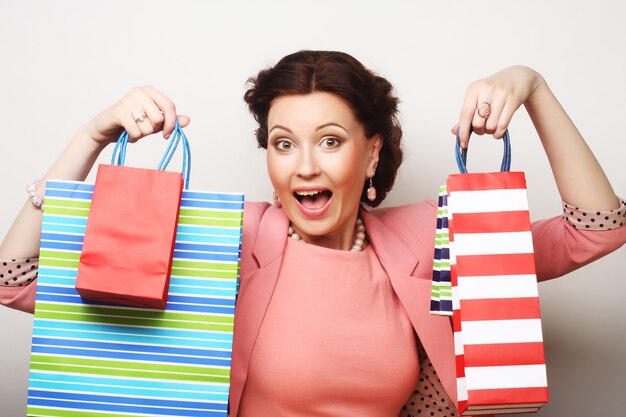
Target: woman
330	291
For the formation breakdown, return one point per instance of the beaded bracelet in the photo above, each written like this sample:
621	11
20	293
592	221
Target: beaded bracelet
35	198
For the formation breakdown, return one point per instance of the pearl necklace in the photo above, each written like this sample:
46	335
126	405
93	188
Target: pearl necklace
359	239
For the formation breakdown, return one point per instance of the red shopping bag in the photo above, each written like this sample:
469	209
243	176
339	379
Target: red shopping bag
129	238
496	318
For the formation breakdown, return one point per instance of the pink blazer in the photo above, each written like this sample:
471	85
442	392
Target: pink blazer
403	238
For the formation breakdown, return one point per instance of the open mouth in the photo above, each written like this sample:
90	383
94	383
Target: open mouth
313	200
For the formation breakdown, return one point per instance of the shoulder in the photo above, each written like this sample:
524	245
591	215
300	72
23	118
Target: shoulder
410	219
414	224
253	212
416	212
252	215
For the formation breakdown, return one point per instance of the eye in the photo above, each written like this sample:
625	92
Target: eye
283	145
330	142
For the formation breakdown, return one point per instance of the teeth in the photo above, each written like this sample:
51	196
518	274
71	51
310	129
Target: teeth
305	193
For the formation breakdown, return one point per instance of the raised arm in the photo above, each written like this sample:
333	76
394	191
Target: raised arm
143	111
595	215
579	177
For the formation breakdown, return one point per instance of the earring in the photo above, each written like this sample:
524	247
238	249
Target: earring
371	191
276	200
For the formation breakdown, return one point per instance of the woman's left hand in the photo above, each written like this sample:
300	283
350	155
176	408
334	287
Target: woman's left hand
490	103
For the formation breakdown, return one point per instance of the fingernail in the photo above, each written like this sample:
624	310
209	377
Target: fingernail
167	136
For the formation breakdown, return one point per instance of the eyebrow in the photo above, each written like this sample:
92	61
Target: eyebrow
332	124
318	128
279	127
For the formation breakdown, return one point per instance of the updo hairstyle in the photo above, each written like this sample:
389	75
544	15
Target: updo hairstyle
369	95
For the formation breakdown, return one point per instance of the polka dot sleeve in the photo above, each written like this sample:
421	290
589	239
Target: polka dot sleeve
17	272
593	219
429	399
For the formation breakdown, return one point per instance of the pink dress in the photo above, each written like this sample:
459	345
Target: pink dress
335	340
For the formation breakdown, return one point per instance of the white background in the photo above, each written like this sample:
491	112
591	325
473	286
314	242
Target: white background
63	61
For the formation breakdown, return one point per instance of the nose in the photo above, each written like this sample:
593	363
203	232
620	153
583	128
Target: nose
308	166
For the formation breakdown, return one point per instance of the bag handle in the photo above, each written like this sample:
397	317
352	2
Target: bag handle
119	152
461	154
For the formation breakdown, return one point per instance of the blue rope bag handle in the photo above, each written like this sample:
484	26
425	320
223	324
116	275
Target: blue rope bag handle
461	154
178	136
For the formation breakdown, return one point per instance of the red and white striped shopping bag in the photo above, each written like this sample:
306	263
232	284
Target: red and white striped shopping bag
497	327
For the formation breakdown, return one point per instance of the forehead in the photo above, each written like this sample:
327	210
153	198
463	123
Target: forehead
311	110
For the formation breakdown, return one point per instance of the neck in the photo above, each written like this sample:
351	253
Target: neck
351	237
342	241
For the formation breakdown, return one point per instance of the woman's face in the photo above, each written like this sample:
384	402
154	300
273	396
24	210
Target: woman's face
318	160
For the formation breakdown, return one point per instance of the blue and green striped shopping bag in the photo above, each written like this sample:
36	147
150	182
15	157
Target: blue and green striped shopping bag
93	359
96	359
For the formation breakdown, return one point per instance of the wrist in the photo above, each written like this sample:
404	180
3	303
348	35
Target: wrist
539	87
87	139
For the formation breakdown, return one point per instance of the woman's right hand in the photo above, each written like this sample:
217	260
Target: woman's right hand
78	158
141	112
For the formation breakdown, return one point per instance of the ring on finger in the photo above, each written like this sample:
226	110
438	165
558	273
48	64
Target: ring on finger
483	109
141	118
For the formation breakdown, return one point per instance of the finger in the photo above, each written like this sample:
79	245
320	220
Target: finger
183	120
154	115
465	119
455	129
147	115
480	117
130	126
137	101
497	104
142	121
504	121
167	106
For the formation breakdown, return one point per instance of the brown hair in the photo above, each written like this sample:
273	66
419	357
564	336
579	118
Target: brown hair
369	95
